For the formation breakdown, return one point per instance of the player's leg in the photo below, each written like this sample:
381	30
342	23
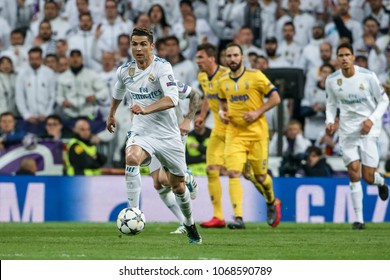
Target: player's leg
165	193
370	161
258	158
235	156
172	157
351	156
214	160
135	155
189	178
356	193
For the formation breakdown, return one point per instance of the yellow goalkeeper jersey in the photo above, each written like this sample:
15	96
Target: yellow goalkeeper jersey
243	94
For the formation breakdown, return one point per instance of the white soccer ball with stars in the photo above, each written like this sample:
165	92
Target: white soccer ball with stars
131	221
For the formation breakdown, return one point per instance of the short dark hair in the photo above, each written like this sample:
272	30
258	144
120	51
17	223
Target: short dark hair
345	46
314	149
123	35
142	31
329	66
54	117
86	14
173	38
7	113
234	45
35	49
210	49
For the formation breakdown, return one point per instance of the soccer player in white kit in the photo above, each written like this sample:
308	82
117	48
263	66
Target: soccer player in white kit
362	102
155	131
160	180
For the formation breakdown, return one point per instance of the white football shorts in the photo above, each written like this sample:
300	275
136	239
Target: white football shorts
155	163
365	149
169	152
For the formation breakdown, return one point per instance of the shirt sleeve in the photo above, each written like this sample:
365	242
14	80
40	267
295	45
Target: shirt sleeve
381	99
184	90
167	82
119	88
331	103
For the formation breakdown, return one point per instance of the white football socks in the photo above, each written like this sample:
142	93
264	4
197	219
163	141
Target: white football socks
168	197
378	179
357	200
184	202
133	185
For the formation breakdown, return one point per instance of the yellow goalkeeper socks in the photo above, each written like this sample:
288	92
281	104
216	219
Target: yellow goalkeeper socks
215	191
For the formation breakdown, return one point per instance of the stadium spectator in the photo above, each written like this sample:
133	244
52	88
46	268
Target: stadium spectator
192	31
247	132
313	105
84	39
310	57
35	91
362	102
316	165
28	166
4	34
288	48
7	86
209	74
59	26
9	134
122	53
44	39
161	48
244	38
111	27
159	24
74	8
294	146
376	9
17	51
79	90
250	14
108	76
302	21
343	28
221	21
63	64
142	20
152	123
83	157
51	61
184	69
275	60
62	48
55	130
330	144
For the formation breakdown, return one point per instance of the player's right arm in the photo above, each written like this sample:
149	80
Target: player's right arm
331	108
223	111
204	109
117	96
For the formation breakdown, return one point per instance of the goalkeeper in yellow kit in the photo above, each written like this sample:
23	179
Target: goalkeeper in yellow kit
242	108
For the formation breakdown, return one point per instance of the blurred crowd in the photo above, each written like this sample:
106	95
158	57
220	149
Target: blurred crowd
58	62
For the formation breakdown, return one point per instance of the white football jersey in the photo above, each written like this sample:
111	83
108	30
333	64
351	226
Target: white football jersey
146	87
359	97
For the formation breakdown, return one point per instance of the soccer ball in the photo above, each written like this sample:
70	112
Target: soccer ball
130	221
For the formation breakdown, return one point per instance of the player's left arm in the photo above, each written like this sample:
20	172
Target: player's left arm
273	100
194	97
381	98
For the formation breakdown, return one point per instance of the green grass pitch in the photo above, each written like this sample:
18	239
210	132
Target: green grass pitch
102	241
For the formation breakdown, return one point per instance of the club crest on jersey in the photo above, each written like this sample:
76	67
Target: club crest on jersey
170	77
151	78
339	82
361	87
131	71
